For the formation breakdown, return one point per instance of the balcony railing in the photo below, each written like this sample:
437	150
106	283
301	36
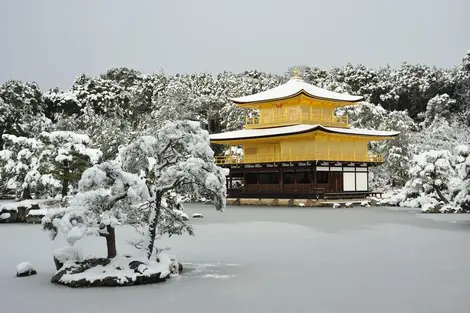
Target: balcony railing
277	157
297	118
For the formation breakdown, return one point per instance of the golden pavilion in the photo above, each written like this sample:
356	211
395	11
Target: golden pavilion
297	147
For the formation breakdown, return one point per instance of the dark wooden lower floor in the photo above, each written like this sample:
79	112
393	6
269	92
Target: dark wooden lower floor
298	180
237	193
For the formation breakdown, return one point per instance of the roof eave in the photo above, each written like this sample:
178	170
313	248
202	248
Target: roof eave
316	128
301	92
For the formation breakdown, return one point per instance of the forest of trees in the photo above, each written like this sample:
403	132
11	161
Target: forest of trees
429	105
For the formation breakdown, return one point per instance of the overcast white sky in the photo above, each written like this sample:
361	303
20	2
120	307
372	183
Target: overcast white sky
53	41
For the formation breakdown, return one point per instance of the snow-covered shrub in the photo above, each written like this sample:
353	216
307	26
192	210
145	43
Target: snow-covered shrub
66	254
428	208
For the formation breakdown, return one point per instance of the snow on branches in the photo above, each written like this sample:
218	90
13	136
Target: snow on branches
67	155
439	178
141	188
177	158
45	165
19	164
107	197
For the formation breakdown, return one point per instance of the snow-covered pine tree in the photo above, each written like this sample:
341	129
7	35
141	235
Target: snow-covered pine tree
462	89
462	186
107	133
177	158
439	107
66	155
22	110
431	174
19	163
107	196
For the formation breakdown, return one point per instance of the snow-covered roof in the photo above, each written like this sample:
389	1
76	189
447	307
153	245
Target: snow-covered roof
294	87
296	129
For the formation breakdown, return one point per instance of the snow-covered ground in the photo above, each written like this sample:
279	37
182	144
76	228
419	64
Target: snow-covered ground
257	259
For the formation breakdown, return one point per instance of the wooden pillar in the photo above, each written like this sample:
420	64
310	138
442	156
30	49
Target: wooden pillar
230	180
281	179
311	179
368	178
315	179
329	179
342	178
296	188
244	181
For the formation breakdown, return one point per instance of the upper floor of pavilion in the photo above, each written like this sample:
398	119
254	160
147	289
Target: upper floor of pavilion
296	102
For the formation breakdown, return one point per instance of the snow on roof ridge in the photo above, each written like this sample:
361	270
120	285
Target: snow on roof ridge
294	86
300	128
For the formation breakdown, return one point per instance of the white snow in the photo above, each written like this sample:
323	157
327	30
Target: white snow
38	212
67	254
447	209
24	267
293	87
427	207
348	204
301	128
336	205
13	206
5	216
301	205
119	267
74	234
181	214
198	215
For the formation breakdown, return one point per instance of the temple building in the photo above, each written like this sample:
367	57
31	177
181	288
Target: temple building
297	147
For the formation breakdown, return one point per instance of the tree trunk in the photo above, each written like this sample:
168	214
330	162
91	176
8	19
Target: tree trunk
111	242
439	193
26	193
65	187
153	222
65	182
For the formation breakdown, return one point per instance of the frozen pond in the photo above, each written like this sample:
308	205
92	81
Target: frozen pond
252	259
